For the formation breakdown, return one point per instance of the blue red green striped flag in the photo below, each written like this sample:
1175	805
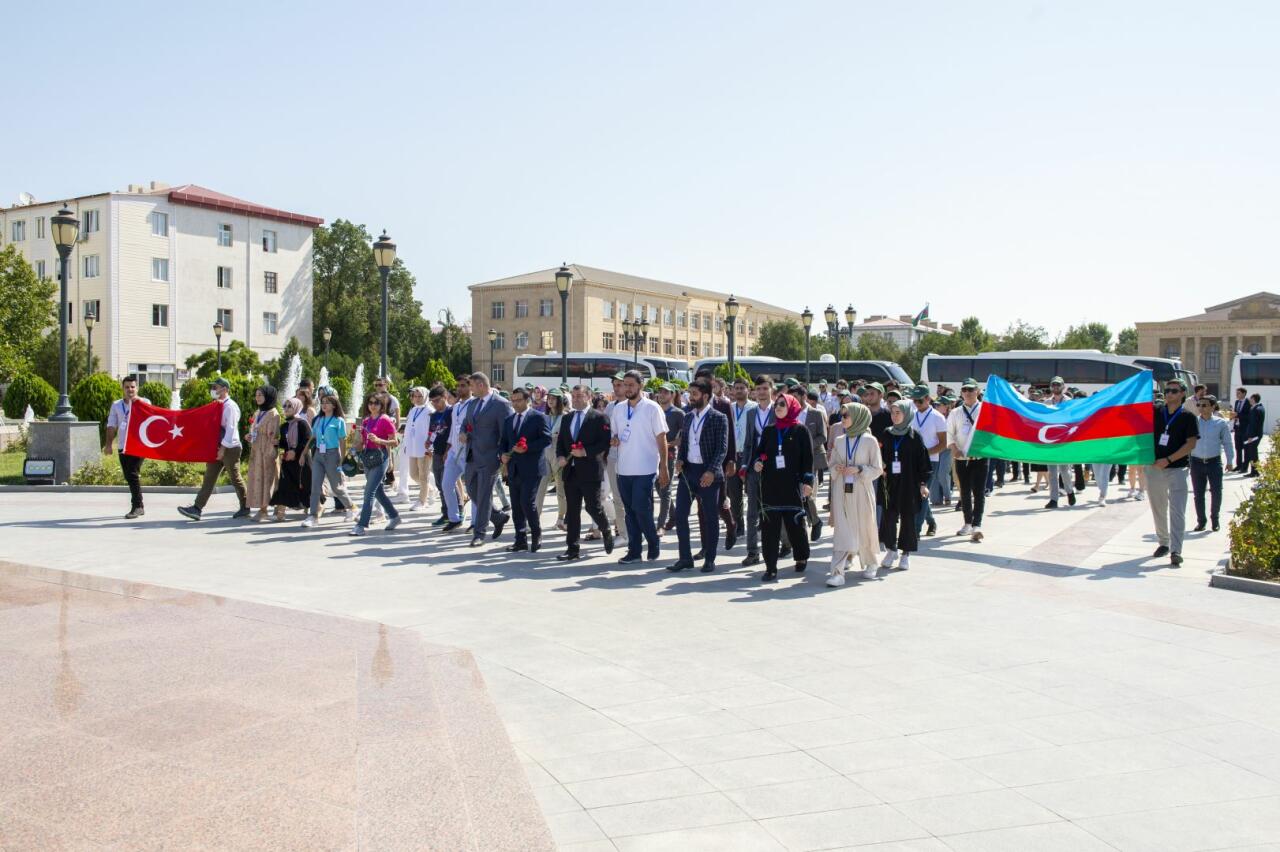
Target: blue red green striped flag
1114	426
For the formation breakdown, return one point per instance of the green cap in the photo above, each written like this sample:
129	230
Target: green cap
556	392
504	394
617	377
220	382
667	386
919	392
792	383
872	386
1057	380
528	386
969	383
894	392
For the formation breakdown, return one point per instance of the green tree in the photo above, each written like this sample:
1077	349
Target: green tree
732	372
437	371
780	339
236	358
933	343
1089	335
1022	335
1127	341
875	347
453	345
46	364
27	308
158	392
29	389
979	338
92	396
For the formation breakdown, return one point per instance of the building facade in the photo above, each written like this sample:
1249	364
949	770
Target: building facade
1207	343
903	331
158	266
684	322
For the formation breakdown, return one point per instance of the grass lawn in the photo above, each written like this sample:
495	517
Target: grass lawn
11	468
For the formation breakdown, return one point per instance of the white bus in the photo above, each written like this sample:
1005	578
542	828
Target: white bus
596	369
1086	369
1258	374
821	369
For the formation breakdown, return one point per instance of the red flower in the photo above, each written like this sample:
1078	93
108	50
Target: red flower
467	427
522	443
577	445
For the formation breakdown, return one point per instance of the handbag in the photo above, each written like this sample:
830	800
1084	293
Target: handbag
372	457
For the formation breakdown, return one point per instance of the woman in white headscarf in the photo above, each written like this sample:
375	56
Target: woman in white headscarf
855	465
417	433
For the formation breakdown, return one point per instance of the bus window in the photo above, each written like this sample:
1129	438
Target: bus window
1259	371
1117	373
984	367
607	368
899	375
1030	371
1082	371
581	367
1162	371
948	369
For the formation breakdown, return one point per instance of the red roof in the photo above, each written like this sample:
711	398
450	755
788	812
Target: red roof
198	196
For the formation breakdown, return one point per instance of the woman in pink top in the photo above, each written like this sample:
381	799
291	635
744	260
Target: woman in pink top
376	433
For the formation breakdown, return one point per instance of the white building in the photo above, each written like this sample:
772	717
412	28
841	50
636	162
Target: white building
903	331
158	266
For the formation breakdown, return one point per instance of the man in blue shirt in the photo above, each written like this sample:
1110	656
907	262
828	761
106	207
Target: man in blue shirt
1206	460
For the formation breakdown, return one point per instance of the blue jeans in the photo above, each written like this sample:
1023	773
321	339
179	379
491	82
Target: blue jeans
940	482
373	477
637	499
454	463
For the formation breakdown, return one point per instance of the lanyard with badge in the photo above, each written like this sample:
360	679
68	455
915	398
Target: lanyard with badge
850	453
695	426
1168	421
322	423
780	461
896	466
626	430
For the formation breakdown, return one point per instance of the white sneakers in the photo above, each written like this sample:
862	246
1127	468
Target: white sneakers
835	581
905	562
965	530
871	571
889	557
349	515
308	522
357	530
392	524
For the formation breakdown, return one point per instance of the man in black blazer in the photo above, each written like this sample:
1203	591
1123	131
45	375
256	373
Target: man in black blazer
757	419
526	466
704	444
1257	430
581	448
1240	427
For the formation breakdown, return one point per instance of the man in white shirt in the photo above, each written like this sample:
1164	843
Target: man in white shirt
610	492
1059	473
229	449
932	429
118	424
743	408
639	428
972	473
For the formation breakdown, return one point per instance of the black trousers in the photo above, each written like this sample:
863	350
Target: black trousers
437	472
898	527
1206	472
1238	438
708	500
972	474
575	494
772	522
524	503
736	487
130	466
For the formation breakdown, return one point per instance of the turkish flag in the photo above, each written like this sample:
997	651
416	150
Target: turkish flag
190	435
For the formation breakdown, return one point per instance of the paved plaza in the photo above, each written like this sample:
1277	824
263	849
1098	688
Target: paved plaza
1053	688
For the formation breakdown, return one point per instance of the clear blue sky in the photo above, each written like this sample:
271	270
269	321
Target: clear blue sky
1051	161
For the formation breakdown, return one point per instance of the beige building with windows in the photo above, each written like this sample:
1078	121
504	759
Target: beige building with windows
157	266
684	322
1207	342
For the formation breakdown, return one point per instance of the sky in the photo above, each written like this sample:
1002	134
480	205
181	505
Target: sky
1054	162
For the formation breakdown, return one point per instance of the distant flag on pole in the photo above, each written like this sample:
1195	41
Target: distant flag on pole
922	316
1114	426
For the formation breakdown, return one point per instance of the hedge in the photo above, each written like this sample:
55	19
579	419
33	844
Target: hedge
29	389
1255	529
91	398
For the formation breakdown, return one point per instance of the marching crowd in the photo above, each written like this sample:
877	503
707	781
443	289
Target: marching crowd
774	463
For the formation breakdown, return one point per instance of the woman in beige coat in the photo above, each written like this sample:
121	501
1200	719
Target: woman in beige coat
855	465
264	436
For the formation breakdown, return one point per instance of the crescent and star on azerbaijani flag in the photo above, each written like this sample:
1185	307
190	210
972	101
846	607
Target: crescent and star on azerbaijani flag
1043	434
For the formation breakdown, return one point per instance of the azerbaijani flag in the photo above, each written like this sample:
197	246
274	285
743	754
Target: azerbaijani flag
1114	426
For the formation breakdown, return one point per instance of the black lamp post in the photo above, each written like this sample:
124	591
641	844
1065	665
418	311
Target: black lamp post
563	279
806	319
90	320
384	256
730	316
849	316
634	334
217	335
65	229
833	329
493	346
327	335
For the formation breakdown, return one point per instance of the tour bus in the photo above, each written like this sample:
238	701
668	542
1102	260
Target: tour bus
1258	374
596	369
821	369
1087	369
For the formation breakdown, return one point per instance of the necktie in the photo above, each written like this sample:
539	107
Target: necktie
577	424
519	418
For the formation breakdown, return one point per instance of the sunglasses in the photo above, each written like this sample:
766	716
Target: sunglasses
1204	405
1172	390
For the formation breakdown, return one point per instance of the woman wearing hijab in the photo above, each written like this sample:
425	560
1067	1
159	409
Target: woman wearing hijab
855	465
555	413
294	489
264	437
907	470
417	433
785	465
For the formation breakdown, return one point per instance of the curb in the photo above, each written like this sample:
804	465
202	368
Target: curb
1222	580
108	489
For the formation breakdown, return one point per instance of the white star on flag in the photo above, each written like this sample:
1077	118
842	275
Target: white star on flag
176	431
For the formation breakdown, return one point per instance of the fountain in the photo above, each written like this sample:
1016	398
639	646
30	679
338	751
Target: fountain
324	377
357	392
291	378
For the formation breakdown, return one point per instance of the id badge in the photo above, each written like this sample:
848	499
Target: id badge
626	435
848	488
897	467
1164	439
780	462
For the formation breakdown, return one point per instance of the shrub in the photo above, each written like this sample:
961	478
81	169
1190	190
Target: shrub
91	399
732	373
342	385
28	389
655	383
1255	529
103	471
158	392
171	473
193	394
437	371
20	445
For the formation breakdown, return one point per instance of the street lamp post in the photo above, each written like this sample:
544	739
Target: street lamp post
833	329
217	335
65	229
563	279
90	320
806	319
384	256
850	315
493	344
328	335
730	316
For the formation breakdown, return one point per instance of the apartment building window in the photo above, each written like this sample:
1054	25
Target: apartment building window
270	283
40	270
500	342
224	317
546	308
89	223
694	319
1212	358
719	350
1171	350
653	346
666	346
224	235
269	242
91	266
680	320
522	340
93	308
548	340
666	316
607	341
39	227
159	269
18	231
499	373
160	316
159	224
224	277
680	347
608	308
270	320
522	308
693	349
498	310
624	311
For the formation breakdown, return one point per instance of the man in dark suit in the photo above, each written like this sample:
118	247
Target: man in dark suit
1240	427
482	432
704	444
757	419
581	448
1257	430
526	466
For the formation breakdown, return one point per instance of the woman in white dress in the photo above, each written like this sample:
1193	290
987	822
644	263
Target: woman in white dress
417	431
855	465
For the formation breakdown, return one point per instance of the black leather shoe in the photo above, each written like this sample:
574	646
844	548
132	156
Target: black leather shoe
535	541
242	512
708	567
192	512
801	565
477	540
653	554
568	556
1175	559
1199	527
1071	499
699	556
518	546
608	540
451	526
439	522
1215	527
932	529
752	559
629	559
682	565
730	537
816	532
499	521
769	577
1052	504
1162	550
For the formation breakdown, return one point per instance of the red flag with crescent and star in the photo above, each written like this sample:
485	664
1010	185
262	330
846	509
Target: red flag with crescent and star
189	435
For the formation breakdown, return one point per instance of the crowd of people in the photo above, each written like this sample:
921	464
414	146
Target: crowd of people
773	463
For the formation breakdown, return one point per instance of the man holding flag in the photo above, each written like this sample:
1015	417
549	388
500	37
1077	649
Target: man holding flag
1176	433
226	439
118	424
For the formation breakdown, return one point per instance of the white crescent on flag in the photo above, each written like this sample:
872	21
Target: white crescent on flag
1044	437
142	430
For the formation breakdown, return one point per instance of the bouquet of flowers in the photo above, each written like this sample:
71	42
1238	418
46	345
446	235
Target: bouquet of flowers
522	445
